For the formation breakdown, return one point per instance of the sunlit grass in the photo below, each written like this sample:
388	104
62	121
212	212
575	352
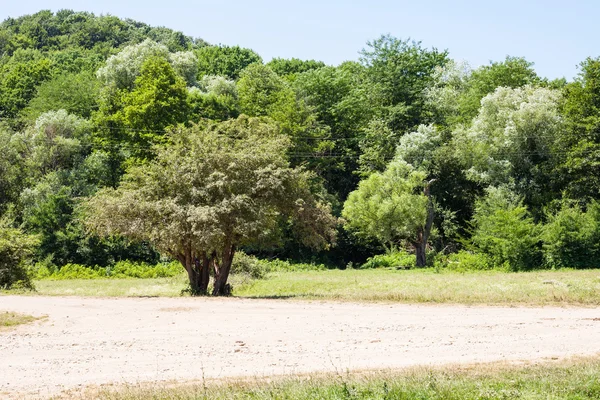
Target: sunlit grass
414	286
571	379
427	286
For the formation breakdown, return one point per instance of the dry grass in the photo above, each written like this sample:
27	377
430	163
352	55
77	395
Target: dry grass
11	319
561	379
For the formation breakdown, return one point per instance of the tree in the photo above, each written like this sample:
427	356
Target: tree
393	206
227	61
76	93
580	168
159	99
21	74
15	249
291	68
216	188
513	72
398	74
513	142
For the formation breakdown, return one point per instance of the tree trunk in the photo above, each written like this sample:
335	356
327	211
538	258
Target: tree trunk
420	250
204	273
423	234
221	288
198	272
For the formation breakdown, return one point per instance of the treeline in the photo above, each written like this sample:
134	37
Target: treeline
490	167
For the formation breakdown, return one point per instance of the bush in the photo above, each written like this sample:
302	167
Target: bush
256	268
397	259
251	266
505	232
128	269
121	270
15	250
572	237
468	261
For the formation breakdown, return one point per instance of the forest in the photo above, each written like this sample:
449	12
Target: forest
126	142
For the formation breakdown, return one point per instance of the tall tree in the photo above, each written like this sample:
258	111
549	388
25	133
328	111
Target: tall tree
580	141
399	72
214	189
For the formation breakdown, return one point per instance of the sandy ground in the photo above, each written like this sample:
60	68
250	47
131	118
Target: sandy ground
87	341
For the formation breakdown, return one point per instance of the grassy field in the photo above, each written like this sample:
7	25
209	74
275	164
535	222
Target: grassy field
415	286
9	319
571	379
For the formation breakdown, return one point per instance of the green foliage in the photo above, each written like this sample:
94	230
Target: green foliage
158	100
215	188
21	74
215	99
77	93
387	206
67	29
395	259
257	268
504	231
120	270
398	72
16	250
468	261
580	167
13	170
571	236
512	142
291	68
260	90
513	72
227	61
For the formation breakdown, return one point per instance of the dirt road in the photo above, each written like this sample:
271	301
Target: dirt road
95	341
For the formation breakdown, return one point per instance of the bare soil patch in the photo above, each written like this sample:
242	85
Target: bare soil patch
96	341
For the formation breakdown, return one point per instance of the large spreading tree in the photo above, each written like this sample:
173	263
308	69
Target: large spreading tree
214	188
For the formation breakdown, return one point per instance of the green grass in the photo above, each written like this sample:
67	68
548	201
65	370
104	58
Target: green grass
414	286
572	379
9	319
128	287
427	286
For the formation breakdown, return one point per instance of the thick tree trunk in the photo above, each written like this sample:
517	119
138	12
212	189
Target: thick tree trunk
423	234
197	270
204	273
221	288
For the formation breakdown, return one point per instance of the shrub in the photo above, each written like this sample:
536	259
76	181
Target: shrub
256	268
15	250
251	266
128	269
121	270
468	261
505	232
77	271
571	237
396	259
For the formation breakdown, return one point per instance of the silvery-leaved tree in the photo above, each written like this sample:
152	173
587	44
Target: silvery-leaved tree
214	188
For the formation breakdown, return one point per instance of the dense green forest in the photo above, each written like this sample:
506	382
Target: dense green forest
122	141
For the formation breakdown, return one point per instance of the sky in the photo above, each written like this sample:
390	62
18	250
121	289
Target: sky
555	35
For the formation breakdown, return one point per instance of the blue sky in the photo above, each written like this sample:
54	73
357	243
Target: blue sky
555	35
